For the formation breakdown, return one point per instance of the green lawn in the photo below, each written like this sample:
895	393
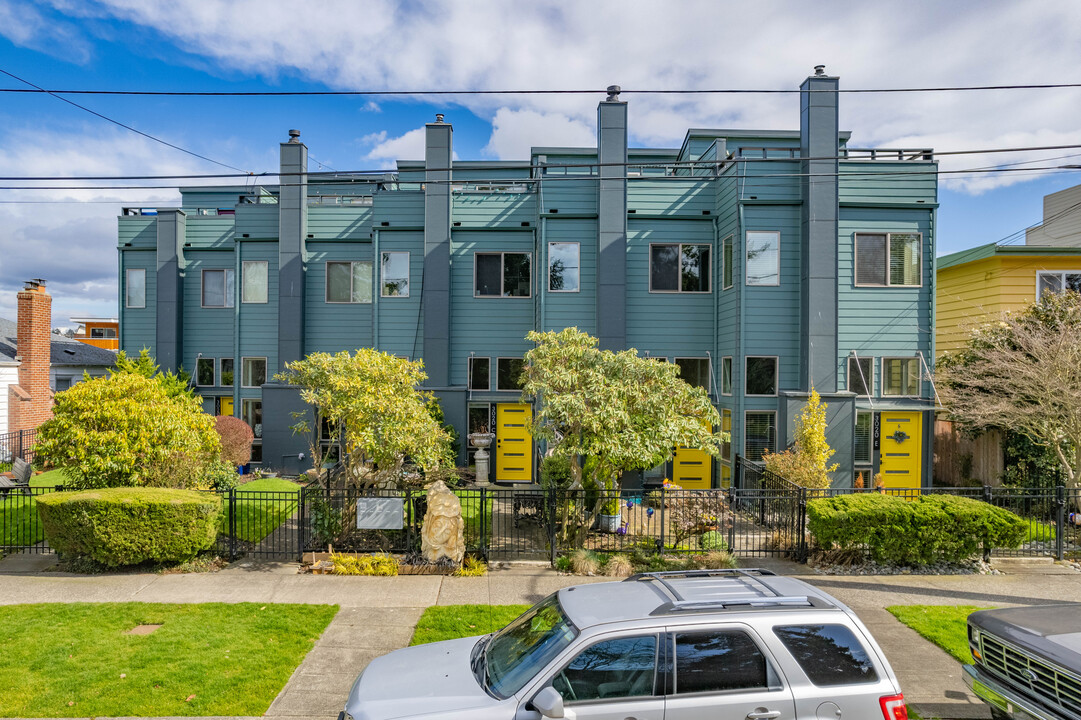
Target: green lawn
19	524
259	515
471	515
944	625
49	478
74	660
447	622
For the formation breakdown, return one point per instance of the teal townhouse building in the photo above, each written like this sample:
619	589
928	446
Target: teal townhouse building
763	263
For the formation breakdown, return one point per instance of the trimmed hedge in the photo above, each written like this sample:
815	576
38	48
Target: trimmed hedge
931	528
128	526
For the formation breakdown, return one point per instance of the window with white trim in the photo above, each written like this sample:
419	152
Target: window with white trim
480	373
727	258
694	372
254	278
509	373
726	375
861	452
226	375
502	274
680	268
218	288
726	426
252	372
1056	281
763	266
251	412
349	282
888	259
759	433
901	377
760	376
860	376
135	288
395	272
564	271
205	372
101	333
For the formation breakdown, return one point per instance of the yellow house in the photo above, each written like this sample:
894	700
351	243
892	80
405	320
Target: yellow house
978	285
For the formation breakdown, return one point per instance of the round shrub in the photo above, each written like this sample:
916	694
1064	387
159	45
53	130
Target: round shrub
712	540
128	526
236	439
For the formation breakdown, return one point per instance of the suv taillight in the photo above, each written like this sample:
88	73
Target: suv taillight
893	707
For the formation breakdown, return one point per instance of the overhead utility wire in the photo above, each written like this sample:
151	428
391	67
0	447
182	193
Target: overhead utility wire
597	91
115	122
528	166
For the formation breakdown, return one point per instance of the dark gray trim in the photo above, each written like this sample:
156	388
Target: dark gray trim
612	226
435	287
292	231
169	293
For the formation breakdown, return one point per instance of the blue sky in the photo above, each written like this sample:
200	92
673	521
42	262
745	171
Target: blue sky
268	45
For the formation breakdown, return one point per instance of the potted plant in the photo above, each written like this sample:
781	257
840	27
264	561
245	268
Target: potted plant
610	518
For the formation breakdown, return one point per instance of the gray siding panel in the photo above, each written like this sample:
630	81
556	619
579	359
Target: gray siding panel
568	196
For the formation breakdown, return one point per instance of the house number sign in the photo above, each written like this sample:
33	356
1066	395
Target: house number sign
876	432
380	513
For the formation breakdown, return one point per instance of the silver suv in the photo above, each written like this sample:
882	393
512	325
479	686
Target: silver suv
718	644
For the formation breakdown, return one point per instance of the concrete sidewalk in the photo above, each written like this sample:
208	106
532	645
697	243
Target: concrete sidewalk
378	614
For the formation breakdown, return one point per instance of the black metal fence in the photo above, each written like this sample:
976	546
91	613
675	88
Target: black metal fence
20	524
17	444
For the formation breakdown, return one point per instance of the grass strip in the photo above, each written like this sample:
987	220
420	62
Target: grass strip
944	625
448	622
75	660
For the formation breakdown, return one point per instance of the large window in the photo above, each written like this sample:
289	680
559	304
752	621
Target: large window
204	372
395	270
509	373
763	265
102	333
252	372
726	375
829	654
1056	282
253	281
862	451
135	288
679	268
611	669
218	288
501	275
349	282
888	259
564	267
727	258
759	433
694	372
901	376
860	375
480	373
226	372
761	376
717	661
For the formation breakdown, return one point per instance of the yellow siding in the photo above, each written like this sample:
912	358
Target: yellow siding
979	291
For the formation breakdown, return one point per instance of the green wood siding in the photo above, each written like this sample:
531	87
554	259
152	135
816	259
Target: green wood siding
761	181
403	208
563	309
346	223
257	221
141	231
686	198
493	210
206	330
259	322
899	182
333	327
138	324
209	231
568	197
401	325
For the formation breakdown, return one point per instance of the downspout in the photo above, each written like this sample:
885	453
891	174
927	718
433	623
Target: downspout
238	283
121	300
716	286
542	290
738	362
377	288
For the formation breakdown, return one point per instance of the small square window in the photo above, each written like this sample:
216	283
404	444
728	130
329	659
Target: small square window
888	259
502	275
726	375
480	377
860	375
564	267
509	373
349	282
254	280
763	265
226	372
395	268
761	376
759	434
679	268
204	372
135	288
694	372
901	377
218	288
252	372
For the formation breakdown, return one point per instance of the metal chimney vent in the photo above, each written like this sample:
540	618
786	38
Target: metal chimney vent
613	93
439	117
293	135
820	69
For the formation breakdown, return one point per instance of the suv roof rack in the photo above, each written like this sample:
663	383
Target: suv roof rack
748	577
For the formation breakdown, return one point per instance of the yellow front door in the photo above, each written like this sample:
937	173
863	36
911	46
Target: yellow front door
513	443
901	449
226	406
692	469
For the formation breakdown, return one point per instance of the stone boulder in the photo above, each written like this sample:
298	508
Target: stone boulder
443	532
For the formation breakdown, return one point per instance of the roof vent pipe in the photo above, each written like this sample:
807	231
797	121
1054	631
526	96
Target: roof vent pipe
439	117
294	135
613	93
820	70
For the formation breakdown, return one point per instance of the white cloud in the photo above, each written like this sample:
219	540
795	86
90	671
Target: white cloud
514	132
409	146
26	26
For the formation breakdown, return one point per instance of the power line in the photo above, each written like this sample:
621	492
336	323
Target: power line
114	122
586	91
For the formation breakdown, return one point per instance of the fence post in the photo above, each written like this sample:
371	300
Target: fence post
732	517
483	545
551	504
1060	522
232	524
987	497
19	445
300	527
664	501
412	520
801	551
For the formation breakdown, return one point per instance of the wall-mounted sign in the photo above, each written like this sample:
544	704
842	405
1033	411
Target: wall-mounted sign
380	513
877	432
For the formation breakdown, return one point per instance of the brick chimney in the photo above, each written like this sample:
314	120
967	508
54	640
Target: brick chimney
30	402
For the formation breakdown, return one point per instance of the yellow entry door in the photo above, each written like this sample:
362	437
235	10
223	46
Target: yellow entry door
226	406
513	443
901	449
692	469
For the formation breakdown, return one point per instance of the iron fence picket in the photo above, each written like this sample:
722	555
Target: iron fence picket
21	529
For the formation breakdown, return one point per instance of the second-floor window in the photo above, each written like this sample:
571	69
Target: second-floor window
226	372
252	372
888	259
204	372
860	375
102	333
1057	281
679	268
761	376
501	274
480	377
395	267
763	265
509	373
349	282
901	376
253	281
726	375
135	288
563	267
218	288
694	372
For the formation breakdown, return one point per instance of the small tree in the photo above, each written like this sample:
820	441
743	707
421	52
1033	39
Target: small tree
806	463
236	439
375	398
1021	373
174	383
127	430
621	411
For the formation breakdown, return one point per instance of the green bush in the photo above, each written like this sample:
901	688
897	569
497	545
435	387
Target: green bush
128	526
712	540
222	476
928	529
555	472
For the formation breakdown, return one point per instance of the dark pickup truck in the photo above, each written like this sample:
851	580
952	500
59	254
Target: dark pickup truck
1027	661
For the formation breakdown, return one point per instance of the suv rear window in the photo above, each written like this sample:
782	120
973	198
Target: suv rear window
718	661
829	654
